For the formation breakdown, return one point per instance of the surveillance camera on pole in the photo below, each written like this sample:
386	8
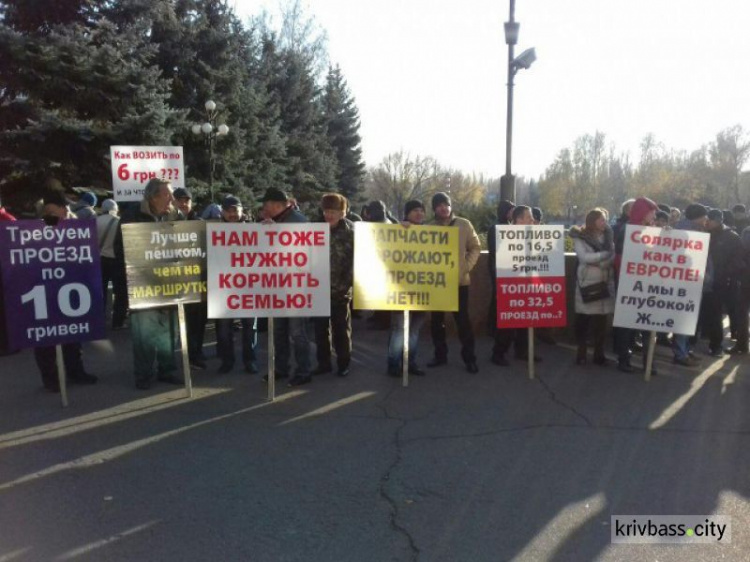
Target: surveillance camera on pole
525	59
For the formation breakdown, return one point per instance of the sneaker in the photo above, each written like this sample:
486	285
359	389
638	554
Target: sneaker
734	350
416	371
472	367
251	368
276	376
686	361
718	352
343	372
625	367
299	380
197	364
435	362
83	378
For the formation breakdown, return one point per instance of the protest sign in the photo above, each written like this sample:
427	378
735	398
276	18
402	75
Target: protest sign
398	268
530	262
133	166
661	279
268	270
165	262
52	282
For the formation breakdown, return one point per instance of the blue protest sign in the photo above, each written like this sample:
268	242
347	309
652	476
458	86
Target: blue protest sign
52	282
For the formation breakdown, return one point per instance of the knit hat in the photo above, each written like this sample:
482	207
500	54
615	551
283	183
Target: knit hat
661	215
695	211
109	205
182	193
212	212
440	198
716	215
376	211
229	202
333	202
89	199
536	212
411	205
274	194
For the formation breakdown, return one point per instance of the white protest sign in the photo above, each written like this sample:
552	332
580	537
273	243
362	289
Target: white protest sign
268	270
530	276
661	279
133	166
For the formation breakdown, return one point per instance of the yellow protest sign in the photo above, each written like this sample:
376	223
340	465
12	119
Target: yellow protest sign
398	268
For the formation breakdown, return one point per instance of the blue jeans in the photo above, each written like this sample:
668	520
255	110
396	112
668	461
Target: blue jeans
396	340
225	340
295	329
680	346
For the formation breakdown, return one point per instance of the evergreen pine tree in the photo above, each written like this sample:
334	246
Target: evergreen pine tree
342	128
68	92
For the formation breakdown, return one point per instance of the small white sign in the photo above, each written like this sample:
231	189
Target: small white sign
133	166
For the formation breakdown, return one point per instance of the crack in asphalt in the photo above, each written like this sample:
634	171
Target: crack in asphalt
565	405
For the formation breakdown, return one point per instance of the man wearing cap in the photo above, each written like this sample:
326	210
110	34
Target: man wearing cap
113	261
56	209
468	254
725	252
342	277
231	212
414	214
278	209
183	200
153	330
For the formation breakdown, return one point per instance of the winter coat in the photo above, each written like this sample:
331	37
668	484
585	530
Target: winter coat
595	265
469	247
342	260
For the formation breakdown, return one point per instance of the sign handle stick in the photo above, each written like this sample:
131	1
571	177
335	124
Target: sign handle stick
61	376
405	358
531	353
185	358
271	363
650	355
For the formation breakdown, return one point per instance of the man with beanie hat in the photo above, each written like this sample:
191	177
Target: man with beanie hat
231	212
277	208
339	324
414	213
468	254
55	210
695	217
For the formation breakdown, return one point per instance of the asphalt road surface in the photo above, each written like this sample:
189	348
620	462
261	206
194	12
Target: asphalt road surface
456	467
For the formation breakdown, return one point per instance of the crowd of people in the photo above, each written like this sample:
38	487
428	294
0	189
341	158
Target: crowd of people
597	243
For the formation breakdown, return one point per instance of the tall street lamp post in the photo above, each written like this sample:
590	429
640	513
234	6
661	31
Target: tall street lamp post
211	132
524	60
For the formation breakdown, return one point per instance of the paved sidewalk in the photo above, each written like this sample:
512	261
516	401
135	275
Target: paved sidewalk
456	467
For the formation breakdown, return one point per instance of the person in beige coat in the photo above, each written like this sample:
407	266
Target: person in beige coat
595	252
468	252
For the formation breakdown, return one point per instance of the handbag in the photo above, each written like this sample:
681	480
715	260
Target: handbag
594	292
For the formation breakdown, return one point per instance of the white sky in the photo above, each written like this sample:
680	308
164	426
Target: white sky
429	76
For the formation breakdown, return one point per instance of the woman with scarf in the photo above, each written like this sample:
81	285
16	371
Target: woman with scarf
595	283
